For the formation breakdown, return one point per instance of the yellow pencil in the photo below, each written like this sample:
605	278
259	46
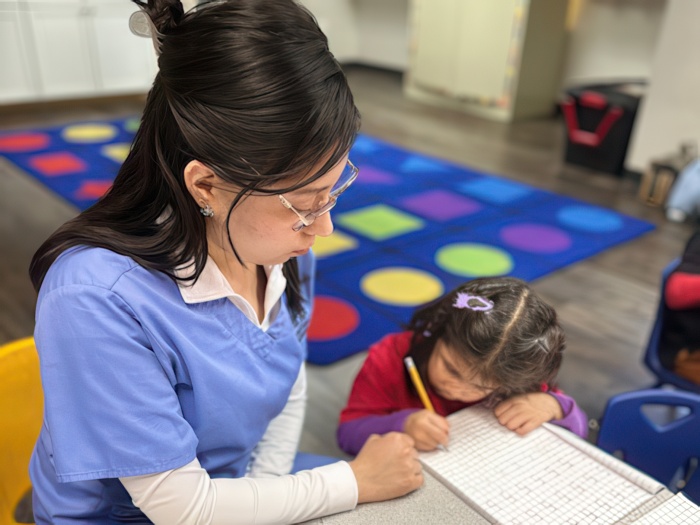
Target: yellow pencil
415	377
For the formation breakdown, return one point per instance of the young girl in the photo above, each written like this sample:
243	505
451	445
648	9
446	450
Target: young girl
171	318
491	341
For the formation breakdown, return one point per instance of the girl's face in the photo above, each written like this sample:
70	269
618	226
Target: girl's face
454	379
261	226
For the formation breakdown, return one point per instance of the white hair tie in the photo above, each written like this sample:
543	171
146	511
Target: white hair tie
141	24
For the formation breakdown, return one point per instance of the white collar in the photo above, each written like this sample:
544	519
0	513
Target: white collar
212	285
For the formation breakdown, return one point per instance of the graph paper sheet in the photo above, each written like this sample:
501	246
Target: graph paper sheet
549	476
678	510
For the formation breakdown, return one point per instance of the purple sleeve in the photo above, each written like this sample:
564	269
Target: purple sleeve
352	434
574	418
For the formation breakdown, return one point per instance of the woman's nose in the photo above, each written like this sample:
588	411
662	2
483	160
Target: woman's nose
322	226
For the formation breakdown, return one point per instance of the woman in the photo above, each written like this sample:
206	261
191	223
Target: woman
172	315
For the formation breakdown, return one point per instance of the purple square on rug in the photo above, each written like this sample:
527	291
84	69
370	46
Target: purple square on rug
370	175
440	205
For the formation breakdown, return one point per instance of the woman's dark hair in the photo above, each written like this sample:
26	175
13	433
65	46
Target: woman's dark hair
517	345
247	87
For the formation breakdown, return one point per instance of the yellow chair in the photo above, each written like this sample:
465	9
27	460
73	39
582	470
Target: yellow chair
21	414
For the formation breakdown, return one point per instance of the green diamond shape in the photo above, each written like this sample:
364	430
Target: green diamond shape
379	222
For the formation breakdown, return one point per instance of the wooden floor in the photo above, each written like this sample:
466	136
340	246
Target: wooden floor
606	303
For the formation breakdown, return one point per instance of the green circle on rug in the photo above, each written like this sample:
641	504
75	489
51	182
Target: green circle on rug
132	125
474	260
401	286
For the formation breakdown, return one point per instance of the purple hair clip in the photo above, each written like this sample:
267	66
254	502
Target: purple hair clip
463	300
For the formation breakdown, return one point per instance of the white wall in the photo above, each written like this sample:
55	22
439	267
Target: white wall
383	33
612	39
365	31
670	112
338	20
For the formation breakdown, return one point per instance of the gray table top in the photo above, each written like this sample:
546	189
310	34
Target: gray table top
432	503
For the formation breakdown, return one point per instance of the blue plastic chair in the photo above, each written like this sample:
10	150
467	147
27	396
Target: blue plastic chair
306	461
663	375
668	451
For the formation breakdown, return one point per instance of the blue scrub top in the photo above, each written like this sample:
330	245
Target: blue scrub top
137	381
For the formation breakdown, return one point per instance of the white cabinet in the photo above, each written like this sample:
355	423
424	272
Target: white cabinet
123	62
499	59
16	80
56	49
62	49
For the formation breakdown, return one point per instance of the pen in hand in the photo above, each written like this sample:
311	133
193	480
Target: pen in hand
415	377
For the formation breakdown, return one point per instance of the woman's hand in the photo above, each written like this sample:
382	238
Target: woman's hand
427	429
387	467
526	412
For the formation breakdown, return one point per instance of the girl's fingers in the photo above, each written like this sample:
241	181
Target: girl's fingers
513	419
505	410
527	427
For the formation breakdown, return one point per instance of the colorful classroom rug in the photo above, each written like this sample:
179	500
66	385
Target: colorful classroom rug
411	227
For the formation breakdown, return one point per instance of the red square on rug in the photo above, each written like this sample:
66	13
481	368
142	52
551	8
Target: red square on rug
92	189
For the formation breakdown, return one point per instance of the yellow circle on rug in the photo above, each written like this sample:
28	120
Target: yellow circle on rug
401	286
474	260
89	133
117	152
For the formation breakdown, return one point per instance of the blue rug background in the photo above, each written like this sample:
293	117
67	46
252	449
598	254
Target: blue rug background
434	223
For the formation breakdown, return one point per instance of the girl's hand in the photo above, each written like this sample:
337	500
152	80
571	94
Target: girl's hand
526	412
427	429
387	467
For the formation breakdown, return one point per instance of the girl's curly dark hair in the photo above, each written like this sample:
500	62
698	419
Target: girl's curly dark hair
517	345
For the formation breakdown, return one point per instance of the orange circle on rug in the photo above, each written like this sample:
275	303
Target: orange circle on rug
21	142
333	318
89	133
401	286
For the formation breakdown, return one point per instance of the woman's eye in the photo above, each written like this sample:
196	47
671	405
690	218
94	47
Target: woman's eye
308	205
317	205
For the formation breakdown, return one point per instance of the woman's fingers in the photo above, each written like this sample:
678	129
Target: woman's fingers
387	467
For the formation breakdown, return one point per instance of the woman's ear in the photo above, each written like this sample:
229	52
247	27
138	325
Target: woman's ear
200	180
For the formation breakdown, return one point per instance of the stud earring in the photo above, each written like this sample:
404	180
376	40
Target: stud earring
206	211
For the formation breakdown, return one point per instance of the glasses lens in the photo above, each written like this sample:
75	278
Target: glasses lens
348	175
310	217
325	208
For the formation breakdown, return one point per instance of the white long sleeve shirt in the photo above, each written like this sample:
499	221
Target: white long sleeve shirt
268	494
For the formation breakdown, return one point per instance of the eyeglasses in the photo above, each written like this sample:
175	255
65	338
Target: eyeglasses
307	219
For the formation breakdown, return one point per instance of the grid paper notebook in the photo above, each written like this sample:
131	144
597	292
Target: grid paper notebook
548	476
677	510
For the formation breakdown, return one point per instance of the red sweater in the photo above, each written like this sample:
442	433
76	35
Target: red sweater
381	386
